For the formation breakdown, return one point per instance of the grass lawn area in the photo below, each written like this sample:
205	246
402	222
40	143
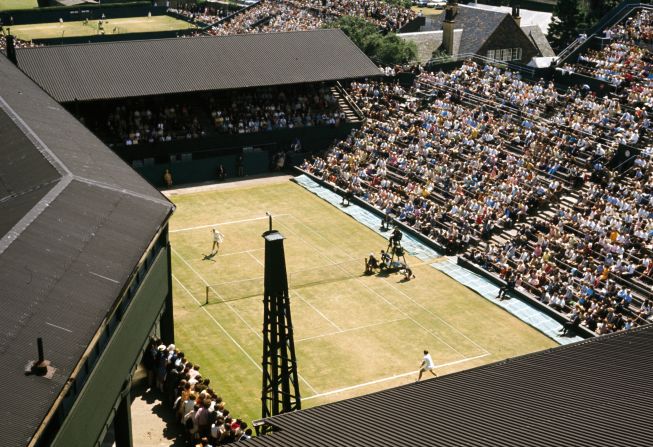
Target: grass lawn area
354	334
111	26
6	5
427	11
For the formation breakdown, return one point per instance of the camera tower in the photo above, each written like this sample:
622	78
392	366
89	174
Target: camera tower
280	392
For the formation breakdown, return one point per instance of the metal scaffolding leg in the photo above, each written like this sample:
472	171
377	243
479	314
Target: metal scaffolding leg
280	391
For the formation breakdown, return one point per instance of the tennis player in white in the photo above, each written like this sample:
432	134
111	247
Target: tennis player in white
217	240
427	365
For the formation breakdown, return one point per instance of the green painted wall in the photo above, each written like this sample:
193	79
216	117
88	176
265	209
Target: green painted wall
88	416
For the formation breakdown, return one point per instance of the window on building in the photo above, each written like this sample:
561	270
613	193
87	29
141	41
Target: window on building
505	54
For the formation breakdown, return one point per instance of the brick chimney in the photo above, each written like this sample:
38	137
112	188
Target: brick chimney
515	12
11	49
450	13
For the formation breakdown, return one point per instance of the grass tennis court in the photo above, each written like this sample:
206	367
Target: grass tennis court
6	5
111	26
353	334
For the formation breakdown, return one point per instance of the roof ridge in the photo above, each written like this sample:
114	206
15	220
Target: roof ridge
122	190
29	217
43	148
62	182
28	190
56	162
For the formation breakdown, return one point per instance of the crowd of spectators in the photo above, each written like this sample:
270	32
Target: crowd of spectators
147	123
196	404
201	13
383	13
301	15
234	112
625	61
267	109
269	16
18	43
520	177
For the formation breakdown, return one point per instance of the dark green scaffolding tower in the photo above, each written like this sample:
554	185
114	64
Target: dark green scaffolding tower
280	393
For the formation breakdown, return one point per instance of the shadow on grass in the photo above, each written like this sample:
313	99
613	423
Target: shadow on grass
209	257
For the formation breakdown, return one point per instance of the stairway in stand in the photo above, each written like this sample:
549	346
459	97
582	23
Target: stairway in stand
351	115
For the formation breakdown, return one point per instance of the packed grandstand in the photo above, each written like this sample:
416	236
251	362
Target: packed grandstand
519	176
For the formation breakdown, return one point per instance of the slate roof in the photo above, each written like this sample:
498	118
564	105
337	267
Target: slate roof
528	17
539	39
477	25
595	392
426	42
165	66
74	223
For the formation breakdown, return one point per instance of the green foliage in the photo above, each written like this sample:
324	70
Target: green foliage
395	50
566	23
594	10
386	49
573	17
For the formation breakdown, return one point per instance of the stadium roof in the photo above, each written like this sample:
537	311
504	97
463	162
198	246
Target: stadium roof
74	223
165	66
595	392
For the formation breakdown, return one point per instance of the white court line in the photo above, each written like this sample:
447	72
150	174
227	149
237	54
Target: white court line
233	310
218	323
225	223
296	293
436	316
216	292
386	379
432	333
239	252
401	291
249	252
342	331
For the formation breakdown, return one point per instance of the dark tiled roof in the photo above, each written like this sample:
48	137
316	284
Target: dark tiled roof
74	223
596	392
477	25
164	66
426	43
539	39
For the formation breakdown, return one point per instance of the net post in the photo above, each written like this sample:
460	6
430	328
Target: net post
207	295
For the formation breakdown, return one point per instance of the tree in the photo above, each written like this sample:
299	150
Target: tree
572	17
594	10
395	50
565	24
386	49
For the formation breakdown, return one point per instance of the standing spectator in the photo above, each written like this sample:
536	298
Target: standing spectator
167	178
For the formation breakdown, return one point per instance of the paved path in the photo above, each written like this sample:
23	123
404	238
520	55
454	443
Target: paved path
153	423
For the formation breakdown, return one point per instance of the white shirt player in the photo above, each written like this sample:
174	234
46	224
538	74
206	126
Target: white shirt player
428	362
217	240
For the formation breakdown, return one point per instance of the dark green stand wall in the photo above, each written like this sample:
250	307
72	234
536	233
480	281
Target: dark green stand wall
101	395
